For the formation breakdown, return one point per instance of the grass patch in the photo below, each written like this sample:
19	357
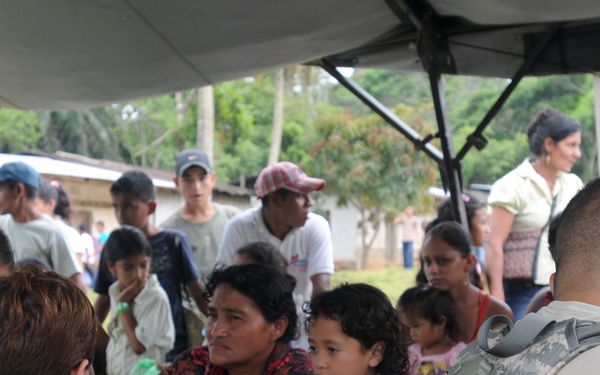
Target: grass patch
392	281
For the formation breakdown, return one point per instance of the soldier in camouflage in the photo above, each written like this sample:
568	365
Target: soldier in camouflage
569	336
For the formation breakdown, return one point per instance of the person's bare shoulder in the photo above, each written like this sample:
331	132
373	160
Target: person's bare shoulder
498	307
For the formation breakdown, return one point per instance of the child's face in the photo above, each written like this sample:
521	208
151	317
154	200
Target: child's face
424	332
479	227
334	353
130	210
132	270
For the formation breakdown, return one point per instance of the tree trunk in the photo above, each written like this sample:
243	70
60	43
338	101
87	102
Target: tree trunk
180	107
368	242
277	118
363	235
364	250
206	121
391	243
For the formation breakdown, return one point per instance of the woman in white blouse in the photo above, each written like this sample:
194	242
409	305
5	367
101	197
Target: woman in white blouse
524	200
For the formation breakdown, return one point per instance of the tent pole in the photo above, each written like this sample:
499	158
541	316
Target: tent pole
476	138
452	169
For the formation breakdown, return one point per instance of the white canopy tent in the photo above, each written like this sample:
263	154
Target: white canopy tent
68	54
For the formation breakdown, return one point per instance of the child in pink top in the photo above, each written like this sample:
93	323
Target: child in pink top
434	327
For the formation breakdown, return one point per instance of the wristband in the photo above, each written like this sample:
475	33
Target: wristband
122	307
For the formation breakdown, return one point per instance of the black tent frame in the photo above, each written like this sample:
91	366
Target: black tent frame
433	52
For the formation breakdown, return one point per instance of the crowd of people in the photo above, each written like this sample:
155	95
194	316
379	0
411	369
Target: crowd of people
260	279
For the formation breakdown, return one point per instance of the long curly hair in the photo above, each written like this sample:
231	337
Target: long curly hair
367	315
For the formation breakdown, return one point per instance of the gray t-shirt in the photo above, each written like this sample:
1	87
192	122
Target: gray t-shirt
40	239
204	237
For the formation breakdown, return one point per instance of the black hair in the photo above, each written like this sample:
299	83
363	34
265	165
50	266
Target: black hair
125	242
281	192
554	223
367	315
63	204
432	304
577	237
7	257
30	191
445	212
268	288
136	184
47	191
549	122
452	233
82	227
264	253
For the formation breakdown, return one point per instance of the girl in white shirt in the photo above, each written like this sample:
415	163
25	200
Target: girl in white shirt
141	325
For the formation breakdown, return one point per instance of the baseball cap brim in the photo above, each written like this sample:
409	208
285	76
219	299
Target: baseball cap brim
186	166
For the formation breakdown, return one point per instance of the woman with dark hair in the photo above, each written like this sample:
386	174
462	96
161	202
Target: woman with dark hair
447	261
524	201
479	230
251	320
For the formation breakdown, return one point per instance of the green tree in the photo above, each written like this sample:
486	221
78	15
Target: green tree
88	132
21	130
371	166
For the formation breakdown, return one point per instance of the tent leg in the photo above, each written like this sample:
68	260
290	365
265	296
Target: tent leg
452	168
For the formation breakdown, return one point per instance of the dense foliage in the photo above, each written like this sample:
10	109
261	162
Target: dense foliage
148	132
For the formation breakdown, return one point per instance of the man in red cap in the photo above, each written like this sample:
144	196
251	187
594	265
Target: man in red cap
284	220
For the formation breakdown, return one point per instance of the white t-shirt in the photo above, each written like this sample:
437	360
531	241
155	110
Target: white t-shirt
88	244
41	239
74	240
307	249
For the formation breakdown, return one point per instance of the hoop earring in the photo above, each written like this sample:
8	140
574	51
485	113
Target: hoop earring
547	160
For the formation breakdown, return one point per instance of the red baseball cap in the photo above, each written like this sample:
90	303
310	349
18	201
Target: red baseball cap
286	175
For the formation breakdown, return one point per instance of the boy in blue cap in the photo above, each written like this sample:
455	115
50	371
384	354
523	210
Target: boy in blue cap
32	234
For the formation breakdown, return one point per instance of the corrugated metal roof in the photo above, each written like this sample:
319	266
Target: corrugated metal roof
49	166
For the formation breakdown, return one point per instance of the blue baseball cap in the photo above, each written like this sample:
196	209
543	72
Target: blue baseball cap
18	171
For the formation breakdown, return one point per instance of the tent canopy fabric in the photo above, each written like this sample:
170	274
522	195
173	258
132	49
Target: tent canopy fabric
67	54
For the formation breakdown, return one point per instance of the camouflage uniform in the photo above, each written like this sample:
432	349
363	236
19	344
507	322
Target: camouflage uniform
554	351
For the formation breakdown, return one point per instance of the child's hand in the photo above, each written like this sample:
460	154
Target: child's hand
130	292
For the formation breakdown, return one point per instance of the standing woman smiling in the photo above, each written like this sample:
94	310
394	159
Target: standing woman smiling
524	201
